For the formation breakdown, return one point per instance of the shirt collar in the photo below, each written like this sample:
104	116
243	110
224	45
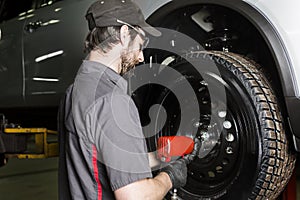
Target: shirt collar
112	76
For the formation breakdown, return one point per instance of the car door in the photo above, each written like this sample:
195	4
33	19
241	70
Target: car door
13	14
53	49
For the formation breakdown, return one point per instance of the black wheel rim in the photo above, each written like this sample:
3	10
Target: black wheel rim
234	158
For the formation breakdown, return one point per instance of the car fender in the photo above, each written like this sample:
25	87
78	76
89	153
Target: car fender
283	17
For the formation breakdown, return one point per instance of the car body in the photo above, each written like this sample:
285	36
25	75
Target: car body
41	48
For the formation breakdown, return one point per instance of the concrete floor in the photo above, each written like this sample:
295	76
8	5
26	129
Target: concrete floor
29	179
37	179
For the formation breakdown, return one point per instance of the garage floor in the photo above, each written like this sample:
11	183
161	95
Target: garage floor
29	179
37	179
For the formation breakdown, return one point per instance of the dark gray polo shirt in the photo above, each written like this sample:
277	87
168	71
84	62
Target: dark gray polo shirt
102	147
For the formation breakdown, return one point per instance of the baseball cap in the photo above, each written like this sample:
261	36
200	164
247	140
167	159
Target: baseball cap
103	13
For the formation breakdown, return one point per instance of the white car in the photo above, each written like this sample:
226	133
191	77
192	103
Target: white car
248	50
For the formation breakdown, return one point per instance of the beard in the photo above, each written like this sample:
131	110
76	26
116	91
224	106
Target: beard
128	62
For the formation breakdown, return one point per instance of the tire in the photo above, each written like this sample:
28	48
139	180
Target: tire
256	161
264	161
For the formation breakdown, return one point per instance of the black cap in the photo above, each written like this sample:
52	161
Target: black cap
103	13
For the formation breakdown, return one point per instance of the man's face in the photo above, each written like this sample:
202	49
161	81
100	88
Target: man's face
133	55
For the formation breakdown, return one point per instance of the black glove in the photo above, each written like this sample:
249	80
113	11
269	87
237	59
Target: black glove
190	157
177	172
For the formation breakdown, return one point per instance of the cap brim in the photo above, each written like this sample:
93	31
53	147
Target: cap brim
150	29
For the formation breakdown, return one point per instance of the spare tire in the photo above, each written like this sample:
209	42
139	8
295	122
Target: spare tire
252	157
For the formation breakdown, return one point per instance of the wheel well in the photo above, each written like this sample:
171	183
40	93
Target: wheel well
232	26
226	29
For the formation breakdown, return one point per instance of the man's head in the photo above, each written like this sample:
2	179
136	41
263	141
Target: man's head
114	22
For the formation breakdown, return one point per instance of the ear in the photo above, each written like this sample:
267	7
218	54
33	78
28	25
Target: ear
124	35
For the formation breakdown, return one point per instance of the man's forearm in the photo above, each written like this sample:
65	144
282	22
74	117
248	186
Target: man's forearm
162	180
155	188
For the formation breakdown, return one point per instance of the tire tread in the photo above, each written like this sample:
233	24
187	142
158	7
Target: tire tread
278	161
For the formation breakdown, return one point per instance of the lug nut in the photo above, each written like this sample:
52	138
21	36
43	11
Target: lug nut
227	124
229	150
229	137
222	114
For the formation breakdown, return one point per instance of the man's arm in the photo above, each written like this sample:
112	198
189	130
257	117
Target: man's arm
172	175
152	188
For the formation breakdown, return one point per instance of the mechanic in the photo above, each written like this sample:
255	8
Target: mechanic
103	154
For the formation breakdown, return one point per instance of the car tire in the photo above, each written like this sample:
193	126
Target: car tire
261	160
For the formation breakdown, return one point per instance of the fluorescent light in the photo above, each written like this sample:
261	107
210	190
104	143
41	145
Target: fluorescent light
46	79
50	55
52	21
21	18
57	9
22	14
31	15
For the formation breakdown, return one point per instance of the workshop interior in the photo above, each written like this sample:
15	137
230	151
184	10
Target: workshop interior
224	72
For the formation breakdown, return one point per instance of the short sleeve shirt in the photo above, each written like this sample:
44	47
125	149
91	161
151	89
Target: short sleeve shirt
102	147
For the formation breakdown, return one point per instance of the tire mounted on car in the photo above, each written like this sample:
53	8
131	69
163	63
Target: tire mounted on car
249	155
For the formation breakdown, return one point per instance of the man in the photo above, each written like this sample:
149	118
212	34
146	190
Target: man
102	148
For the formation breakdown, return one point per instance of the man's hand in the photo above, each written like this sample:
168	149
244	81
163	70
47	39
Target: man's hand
177	172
